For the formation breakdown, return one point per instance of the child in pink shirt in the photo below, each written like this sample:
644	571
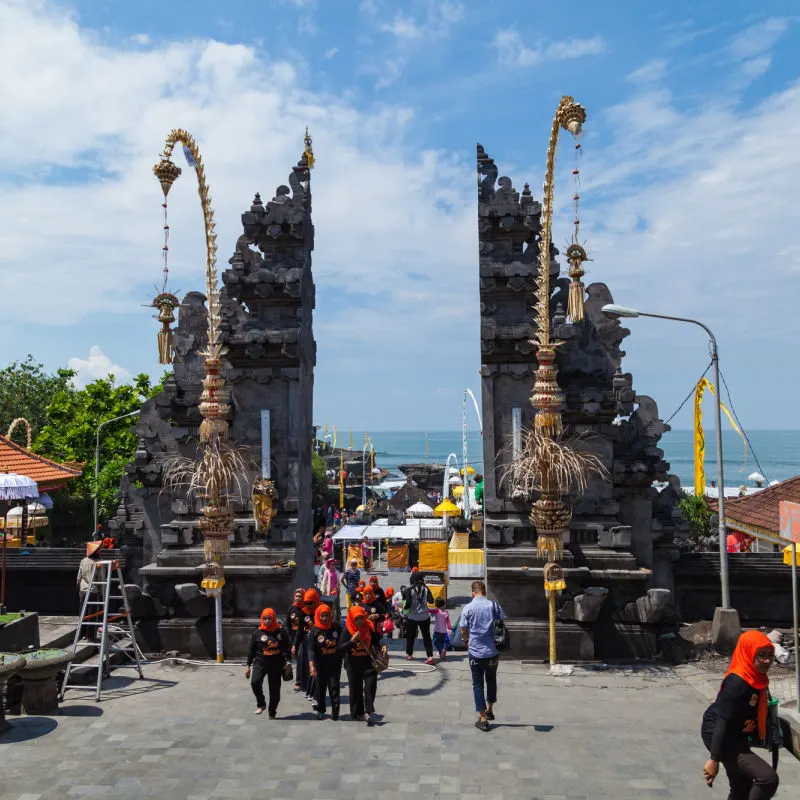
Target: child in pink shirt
442	627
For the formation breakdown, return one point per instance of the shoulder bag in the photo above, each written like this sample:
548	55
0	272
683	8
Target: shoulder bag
499	630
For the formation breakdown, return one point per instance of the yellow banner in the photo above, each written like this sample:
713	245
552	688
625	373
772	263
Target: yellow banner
700	439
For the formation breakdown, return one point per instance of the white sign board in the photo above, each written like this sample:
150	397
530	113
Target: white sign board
516	432
790	521
265	449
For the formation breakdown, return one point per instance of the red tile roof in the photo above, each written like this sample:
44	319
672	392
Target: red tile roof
47	474
761	510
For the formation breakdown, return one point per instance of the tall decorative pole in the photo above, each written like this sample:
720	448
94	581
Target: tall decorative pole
549	513
213	472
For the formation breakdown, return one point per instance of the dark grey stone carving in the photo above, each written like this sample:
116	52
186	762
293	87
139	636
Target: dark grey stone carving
621	536
267	307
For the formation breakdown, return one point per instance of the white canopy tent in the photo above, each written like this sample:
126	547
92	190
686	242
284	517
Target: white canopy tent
381	529
420	510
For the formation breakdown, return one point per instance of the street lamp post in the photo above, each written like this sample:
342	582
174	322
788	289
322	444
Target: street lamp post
615	311
97	460
367	445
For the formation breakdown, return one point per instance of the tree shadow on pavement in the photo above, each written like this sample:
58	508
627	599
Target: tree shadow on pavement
24	729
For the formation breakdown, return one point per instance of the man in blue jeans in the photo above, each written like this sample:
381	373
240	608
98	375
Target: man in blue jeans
477	631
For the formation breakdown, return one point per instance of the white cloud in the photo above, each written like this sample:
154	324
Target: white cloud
331	52
513	52
141	38
651	72
98	365
402	27
758	38
307	26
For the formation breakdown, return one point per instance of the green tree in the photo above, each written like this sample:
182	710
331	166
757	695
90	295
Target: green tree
319	479
72	418
696	512
25	391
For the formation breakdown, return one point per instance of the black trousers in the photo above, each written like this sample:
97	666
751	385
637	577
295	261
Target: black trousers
363	682
749	776
271	669
329	675
302	676
411	635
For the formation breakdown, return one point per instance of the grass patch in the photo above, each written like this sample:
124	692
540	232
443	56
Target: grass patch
9	617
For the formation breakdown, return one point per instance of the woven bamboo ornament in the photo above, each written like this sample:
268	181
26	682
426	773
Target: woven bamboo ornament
166	302
15	424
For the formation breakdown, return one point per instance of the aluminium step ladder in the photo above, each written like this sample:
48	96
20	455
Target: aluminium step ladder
107	584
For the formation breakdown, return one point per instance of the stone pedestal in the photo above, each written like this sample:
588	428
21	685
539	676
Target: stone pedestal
39	681
10	665
725	630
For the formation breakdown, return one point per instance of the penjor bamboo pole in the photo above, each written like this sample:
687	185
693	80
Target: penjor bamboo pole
551	606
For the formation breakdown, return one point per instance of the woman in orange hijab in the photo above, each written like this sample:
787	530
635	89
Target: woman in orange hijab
268	655
361	675
325	659
310	603
738	717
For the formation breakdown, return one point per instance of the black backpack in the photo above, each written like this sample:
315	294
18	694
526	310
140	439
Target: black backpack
499	630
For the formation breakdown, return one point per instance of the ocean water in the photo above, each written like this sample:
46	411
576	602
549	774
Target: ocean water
778	452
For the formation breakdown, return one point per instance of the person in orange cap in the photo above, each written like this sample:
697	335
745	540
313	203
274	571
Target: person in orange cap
738	717
325	659
86	593
361	674
269	655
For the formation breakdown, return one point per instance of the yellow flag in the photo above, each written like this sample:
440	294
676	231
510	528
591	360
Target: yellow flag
700	439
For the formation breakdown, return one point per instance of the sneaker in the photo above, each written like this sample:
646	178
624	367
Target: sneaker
273	714
370	721
320	715
296	687
490	716
482	725
259	710
310	698
335	717
429	661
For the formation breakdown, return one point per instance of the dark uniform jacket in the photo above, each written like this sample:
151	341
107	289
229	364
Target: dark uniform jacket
732	719
266	645
324	647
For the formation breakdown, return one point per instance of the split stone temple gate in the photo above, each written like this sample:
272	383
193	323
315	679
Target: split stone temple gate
267	307
619	550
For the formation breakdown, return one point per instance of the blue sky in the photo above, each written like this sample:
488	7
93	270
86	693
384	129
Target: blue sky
689	178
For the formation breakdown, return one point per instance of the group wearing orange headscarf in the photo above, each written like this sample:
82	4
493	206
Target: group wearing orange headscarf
738	718
325	659
267	658
361	674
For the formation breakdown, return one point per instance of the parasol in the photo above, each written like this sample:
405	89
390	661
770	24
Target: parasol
17	487
470	470
419	510
455	481
756	476
36	517
458	491
447	507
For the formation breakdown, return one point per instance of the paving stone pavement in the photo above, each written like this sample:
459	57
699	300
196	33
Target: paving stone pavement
188	733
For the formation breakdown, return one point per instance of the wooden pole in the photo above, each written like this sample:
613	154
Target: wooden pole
3	580
551	601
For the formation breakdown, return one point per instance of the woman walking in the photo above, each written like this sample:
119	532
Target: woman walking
376	611
294	624
310	604
361	674
351	577
329	587
417	597
738	717
268	655
325	659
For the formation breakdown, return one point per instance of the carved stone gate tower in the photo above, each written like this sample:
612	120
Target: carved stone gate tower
267	308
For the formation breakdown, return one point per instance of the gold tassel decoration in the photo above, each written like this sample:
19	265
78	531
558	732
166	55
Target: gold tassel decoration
166	304
548	423
549	546
576	255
